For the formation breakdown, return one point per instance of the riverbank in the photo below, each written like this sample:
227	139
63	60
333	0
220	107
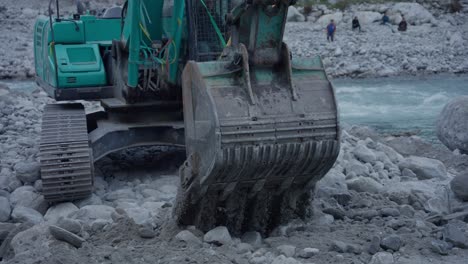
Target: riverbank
387	200
434	43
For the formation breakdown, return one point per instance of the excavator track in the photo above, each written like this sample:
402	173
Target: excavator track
66	162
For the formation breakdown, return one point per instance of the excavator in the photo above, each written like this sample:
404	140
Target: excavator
259	125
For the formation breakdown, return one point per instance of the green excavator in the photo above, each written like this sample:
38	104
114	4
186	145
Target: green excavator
259	126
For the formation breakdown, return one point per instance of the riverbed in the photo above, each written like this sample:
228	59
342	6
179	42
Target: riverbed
390	105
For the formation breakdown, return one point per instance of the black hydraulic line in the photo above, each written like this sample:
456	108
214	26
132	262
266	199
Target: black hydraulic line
58	10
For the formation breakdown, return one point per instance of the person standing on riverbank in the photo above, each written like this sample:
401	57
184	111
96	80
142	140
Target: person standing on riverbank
385	19
331	28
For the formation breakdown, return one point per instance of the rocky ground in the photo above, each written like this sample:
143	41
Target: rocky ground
387	200
434	43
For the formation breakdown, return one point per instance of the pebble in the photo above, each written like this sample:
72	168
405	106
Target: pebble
308	252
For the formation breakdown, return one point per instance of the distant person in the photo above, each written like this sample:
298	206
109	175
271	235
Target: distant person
403	25
356	24
331	28
385	19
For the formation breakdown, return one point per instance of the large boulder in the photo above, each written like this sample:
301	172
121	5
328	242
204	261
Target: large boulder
415	14
59	210
218	236
452	125
28	197
424	168
459	186
324	20
28	172
368	17
23	214
294	15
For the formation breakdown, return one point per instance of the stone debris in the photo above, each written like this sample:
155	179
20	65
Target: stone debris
218	236
64	235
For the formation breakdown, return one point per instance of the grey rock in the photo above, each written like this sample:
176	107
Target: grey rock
357	168
138	215
342	247
408	173
337	213
453	124
374	245
294	15
253	238
287	250
364	184
453	234
382	258
59	210
28	172
28	197
364	154
23	214
92	200
333	183
66	236
440	247
5	229
424	168
5	209
120	194
188	237
388	211
407	210
308	252
147	231
38	185
69	224
283	260
218	236
243	248
89	213
459	186
392	242
26	237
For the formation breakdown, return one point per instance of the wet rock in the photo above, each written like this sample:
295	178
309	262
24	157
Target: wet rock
5	209
253	238
453	234
453	124
27	196
459	186
308	252
392	242
69	224
362	153
424	168
218	236
287	250
374	245
364	184
382	258
189	238
66	236
440	247
28	172
384	212
59	210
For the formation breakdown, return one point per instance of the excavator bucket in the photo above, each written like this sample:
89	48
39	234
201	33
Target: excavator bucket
257	141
